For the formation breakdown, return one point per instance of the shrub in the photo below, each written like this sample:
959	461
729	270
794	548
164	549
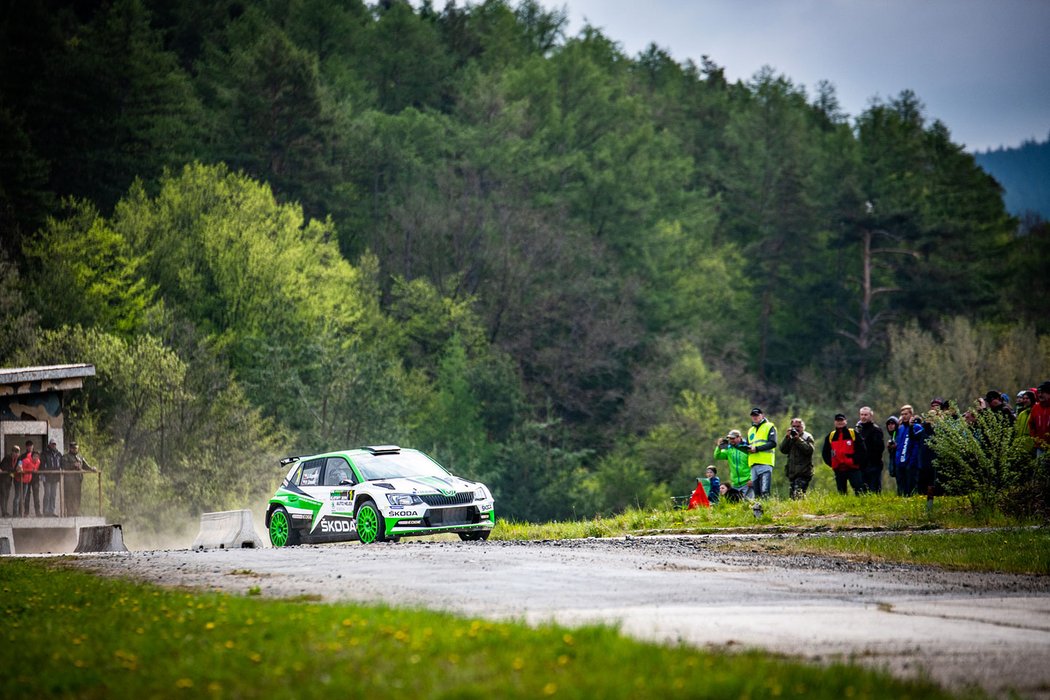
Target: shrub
978	455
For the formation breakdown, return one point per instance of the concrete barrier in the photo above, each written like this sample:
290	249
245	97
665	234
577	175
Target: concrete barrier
227	529
101	538
7	540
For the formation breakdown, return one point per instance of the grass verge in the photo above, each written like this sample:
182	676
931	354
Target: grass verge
1008	551
821	511
70	634
1009	547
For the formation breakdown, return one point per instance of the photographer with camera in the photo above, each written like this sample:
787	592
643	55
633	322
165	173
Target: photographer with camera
728	448
798	445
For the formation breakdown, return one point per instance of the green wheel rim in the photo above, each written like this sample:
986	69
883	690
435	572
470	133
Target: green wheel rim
279	529
367	524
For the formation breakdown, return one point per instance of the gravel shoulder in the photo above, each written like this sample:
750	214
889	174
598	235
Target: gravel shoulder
960	628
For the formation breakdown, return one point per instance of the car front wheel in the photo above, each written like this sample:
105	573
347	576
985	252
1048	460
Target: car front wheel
282	534
370	524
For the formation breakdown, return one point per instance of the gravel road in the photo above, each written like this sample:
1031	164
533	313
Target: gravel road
991	630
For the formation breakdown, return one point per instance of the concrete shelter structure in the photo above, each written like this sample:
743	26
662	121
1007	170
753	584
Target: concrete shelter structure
32	407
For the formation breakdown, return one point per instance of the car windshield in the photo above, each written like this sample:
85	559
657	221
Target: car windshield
391	466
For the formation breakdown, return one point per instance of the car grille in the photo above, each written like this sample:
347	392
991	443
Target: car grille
436	499
452	516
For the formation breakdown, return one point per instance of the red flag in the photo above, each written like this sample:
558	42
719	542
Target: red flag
699	497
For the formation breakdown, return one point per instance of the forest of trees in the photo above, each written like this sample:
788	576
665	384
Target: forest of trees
1024	173
285	226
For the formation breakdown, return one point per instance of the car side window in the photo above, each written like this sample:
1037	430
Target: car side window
337	471
311	473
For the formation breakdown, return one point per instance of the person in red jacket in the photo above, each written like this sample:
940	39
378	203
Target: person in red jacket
26	470
1039	419
844	453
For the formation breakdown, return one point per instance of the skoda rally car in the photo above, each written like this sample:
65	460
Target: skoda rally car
374	494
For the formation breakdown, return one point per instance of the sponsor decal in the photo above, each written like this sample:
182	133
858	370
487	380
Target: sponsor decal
301	516
403	514
336	526
484	508
343	504
339	495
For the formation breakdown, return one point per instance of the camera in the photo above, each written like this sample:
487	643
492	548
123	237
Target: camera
793	432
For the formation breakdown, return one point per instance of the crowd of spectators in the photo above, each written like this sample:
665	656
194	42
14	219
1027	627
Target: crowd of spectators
26	475
860	455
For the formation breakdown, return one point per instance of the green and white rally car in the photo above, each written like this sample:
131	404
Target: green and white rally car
373	494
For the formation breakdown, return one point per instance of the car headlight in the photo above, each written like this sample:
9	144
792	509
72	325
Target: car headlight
403	499
479	494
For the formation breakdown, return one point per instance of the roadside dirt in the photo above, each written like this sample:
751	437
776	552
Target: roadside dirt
961	629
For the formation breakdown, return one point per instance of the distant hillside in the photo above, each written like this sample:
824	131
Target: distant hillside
1024	173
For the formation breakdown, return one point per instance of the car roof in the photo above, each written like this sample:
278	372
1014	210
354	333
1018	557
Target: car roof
368	449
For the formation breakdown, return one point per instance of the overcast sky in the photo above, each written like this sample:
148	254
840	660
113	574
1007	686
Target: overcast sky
980	66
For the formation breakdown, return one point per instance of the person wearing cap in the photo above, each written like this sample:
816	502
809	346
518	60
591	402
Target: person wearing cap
798	445
739	472
998	407
1039	419
761	453
8	492
844	453
51	462
74	462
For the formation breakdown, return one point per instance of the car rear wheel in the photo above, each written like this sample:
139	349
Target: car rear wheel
370	524
475	536
282	534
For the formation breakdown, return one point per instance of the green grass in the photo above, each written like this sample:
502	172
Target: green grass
820	511
1008	548
1010	551
70	634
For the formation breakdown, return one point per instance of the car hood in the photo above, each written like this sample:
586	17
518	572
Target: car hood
426	484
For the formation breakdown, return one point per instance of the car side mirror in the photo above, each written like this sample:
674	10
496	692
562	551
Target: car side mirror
346	482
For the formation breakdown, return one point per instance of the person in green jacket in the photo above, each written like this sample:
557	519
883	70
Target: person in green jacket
739	472
1025	399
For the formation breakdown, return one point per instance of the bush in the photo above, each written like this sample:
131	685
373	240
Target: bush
978	455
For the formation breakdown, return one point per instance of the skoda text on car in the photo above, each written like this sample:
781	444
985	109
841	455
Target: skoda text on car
375	494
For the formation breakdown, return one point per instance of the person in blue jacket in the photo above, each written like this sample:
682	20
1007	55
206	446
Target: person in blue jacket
910	440
713	485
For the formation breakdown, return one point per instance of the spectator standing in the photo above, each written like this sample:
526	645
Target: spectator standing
74	462
51	462
1039	420
844	453
874	444
891	446
997	406
739	471
798	445
1025	401
27	467
761	453
9	490
908	460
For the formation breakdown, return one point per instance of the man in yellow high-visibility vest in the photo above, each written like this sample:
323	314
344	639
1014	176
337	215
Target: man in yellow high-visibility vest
761	448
